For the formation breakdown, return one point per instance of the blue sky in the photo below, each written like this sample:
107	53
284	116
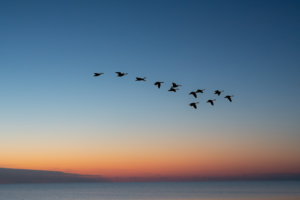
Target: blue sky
49	51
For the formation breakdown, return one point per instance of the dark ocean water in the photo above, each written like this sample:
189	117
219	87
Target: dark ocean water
279	190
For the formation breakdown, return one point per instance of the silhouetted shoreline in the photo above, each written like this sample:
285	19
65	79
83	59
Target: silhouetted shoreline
11	176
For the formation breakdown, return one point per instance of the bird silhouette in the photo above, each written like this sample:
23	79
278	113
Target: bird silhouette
158	84
211	101
218	92
140	79
194	104
173	89
200	91
193	93
175	85
97	74
121	74
229	97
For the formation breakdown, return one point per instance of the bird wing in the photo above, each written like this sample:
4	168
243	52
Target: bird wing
195	95
229	98
212	103
174	84
195	106
158	85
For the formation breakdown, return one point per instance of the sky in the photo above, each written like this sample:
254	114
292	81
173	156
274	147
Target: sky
56	116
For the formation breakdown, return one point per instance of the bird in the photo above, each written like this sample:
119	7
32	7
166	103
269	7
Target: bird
193	93
229	97
175	85
194	104
173	89
211	101
121	74
140	79
97	74
158	84
201	91
218	92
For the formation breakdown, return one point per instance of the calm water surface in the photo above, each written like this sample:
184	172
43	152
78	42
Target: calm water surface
284	190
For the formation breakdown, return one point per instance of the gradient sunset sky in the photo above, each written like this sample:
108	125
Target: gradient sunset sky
54	115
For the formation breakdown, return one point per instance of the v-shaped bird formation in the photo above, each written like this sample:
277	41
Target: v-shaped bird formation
174	88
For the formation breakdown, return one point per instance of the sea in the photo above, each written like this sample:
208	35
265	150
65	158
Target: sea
232	190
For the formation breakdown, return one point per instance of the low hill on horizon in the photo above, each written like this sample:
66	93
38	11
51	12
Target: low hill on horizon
9	175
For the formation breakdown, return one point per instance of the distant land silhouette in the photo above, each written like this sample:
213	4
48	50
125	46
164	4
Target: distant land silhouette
246	177
9	176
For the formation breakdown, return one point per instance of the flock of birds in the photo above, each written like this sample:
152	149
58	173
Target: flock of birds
174	87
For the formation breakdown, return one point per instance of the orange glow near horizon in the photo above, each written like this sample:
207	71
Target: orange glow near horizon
178	158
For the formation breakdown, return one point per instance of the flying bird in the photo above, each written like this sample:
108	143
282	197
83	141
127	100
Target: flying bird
211	101
97	74
229	97
175	85
140	79
173	89
218	92
121	74
158	84
201	91
193	93
194	104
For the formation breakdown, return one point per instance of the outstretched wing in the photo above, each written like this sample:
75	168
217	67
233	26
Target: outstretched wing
195	106
158	85
229	98
174	84
211	102
195	95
